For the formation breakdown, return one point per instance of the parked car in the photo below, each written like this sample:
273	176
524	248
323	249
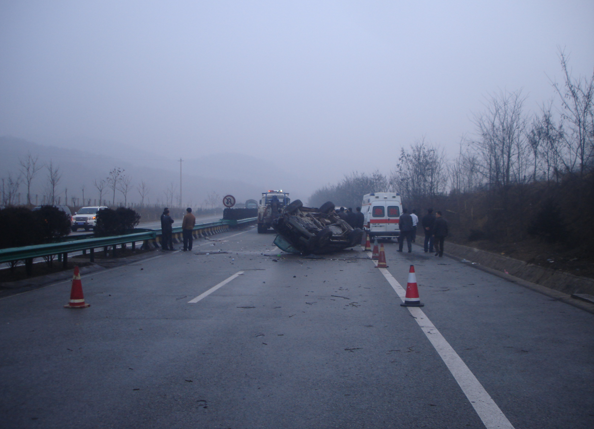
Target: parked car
308	230
86	218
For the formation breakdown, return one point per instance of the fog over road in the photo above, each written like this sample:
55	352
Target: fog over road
237	335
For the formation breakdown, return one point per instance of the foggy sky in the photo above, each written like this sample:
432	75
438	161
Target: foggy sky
327	87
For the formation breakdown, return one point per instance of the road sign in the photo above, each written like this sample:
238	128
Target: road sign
228	201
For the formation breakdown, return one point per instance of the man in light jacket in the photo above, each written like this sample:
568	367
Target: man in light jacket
188	224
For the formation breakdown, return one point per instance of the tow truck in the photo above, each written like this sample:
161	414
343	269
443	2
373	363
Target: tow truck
270	208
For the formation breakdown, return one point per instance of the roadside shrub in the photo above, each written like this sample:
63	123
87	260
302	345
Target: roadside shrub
548	223
18	228
116	222
51	223
476	235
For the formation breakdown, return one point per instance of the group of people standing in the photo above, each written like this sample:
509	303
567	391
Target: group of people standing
354	219
435	228
188	223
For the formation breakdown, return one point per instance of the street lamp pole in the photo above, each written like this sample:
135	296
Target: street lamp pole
180	183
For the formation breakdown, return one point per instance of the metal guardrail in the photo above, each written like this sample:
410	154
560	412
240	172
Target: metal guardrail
147	236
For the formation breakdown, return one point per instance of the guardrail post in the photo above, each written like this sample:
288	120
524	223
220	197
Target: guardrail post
65	261
133	246
92	258
29	266
115	247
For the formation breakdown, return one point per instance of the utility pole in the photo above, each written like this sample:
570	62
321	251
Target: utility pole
180	183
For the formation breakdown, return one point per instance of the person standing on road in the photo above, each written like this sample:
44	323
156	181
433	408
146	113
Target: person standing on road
440	232
428	222
415	220
351	218
360	218
166	230
188	224
406	224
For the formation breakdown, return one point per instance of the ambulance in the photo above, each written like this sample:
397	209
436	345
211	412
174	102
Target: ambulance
382	211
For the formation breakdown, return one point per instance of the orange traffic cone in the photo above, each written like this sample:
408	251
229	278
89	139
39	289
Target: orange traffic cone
77	300
382	258
367	244
375	254
412	292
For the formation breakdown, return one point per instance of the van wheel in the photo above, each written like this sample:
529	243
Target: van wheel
261	229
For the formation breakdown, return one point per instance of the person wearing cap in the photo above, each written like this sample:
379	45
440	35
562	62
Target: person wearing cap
166	230
187	227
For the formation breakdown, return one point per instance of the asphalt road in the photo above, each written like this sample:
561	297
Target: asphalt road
232	335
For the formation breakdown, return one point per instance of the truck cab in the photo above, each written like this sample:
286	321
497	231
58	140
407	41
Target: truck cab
270	207
382	212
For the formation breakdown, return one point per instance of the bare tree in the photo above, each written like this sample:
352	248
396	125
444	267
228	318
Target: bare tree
113	181
100	185
212	200
577	100
29	170
501	146
545	138
420	172
124	187
170	194
53	178
464	172
143	191
10	189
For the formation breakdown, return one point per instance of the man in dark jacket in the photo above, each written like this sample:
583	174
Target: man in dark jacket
166	230
428	222
440	232
351	218
406	225
360	218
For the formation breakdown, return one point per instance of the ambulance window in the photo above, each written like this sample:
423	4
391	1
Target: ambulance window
393	211
378	211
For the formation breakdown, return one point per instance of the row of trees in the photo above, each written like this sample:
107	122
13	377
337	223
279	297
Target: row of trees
511	148
29	168
107	189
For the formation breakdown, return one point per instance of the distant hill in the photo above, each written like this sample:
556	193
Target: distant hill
80	168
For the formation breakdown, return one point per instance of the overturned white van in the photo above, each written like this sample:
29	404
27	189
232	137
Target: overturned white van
382	212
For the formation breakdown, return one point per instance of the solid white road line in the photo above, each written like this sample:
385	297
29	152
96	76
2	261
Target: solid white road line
483	404
211	290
